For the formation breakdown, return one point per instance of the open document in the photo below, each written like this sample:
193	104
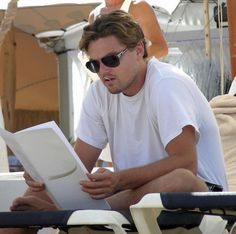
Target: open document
47	156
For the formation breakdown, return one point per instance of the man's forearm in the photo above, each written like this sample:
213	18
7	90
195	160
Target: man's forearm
136	177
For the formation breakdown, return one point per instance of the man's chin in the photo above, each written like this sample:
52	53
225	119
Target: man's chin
114	91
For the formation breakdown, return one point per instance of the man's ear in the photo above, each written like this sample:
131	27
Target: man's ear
140	49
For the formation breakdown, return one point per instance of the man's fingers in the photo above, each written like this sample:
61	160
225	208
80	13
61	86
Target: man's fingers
98	192
95	184
100	196
100	170
27	176
100	174
35	186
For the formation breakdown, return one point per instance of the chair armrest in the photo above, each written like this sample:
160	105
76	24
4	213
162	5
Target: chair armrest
110	218
146	212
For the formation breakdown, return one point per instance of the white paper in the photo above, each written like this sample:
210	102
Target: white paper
47	156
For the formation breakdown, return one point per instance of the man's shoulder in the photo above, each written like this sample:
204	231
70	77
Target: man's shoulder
164	70
159	69
162	77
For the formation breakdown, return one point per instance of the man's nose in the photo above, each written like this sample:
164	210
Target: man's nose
103	68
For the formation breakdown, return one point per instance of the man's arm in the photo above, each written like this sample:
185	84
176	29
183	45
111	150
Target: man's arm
182	154
88	154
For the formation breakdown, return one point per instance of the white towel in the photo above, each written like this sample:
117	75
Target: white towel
224	108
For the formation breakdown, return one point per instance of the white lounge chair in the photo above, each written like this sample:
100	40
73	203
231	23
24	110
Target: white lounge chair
209	212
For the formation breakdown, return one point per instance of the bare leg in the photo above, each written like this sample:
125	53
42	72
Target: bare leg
180	180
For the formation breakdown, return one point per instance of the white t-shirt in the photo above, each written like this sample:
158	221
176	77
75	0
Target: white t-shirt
138	128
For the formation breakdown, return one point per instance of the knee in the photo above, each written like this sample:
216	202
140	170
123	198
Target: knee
179	180
182	174
183	180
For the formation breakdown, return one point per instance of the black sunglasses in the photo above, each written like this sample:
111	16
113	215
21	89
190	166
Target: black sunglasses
112	60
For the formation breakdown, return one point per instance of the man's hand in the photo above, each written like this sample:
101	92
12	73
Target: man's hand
31	203
35	186
101	184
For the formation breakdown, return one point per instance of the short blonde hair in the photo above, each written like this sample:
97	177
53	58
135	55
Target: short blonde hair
119	24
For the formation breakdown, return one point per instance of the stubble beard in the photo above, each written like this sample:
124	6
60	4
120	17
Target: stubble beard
121	89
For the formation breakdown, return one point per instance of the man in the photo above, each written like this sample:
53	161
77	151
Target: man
161	130
144	14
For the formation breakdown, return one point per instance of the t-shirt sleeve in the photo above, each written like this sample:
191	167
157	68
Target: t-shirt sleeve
175	108
91	128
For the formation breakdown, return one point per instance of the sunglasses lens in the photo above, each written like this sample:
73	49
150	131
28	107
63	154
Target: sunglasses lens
111	61
93	66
